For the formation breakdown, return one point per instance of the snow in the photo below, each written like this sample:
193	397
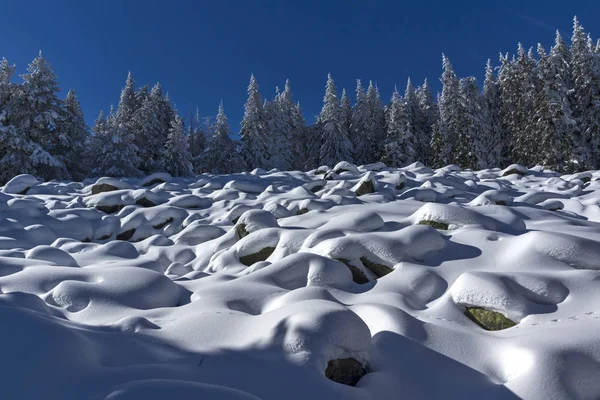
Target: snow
171	311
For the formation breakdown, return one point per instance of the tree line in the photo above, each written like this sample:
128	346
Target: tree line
535	107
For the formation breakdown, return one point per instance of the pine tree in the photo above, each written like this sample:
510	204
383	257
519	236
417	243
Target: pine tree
73	134
492	143
253	129
281	126
177	158
585	99
400	144
451	120
552	115
414	151
221	156
360	126
196	135
376	132
346	107
428	114
476	138
148	125
38	115
300	140
336	145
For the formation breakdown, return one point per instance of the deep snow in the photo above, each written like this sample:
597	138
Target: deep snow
173	311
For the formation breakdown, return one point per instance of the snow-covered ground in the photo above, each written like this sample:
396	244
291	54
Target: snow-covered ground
231	287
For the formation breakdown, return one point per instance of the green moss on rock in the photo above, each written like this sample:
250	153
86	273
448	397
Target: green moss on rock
378	269
434	224
241	230
346	371
488	320
302	211
357	275
261	255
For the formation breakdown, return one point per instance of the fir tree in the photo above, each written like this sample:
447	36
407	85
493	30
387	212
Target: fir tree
475	138
451	120
73	134
428	114
491	144
360	126
221	156
376	131
177	158
253	129
336	145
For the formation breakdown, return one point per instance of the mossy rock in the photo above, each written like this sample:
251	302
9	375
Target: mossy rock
320	172
154	182
316	189
126	235
434	224
105	237
330	176
261	255
163	224
103	187
365	188
144	202
241	230
235	220
400	186
109	209
488	320
378	269
586	179
513	171
501	203
357	275
302	211
339	171
346	371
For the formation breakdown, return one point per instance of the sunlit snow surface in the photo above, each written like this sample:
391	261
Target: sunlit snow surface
170	312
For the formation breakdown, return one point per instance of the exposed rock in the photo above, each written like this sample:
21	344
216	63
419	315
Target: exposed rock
488	320
357	275
105	237
154	182
163	224
241	230
434	224
24	191
302	211
261	255
513	171
103	187
346	371
315	189
378	269
109	209
126	235
144	202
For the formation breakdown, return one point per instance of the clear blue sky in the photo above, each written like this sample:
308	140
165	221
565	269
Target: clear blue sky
204	51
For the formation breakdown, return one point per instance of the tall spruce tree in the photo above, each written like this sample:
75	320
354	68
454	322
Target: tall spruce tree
254	150
73	134
221	156
476	136
451	122
177	158
336	145
428	114
376	131
360	126
492	143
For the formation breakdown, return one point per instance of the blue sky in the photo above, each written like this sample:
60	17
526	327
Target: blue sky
203	51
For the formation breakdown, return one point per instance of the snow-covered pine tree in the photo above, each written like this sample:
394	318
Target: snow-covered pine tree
360	126
220	156
585	99
197	136
451	115
415	150
346	107
73	133
148	125
399	147
38	114
336	145
376	133
119	156
522	135
300	139
177	158
552	115
141	95
490	153
15	148
428	114
314	141
280	115
253	131
476	137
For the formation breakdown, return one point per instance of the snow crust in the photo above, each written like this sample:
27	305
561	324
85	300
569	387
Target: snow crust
144	290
